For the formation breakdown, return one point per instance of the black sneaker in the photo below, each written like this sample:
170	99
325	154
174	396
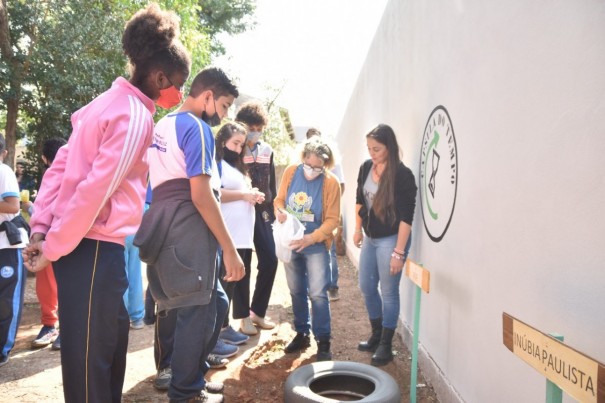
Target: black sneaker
215	362
202	397
323	351
300	342
162	379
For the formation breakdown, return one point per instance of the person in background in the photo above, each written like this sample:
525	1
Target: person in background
258	157
385	203
91	198
333	294
46	285
26	182
310	192
14	233
180	236
150	314
133	297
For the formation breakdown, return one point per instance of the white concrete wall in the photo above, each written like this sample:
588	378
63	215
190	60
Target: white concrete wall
524	84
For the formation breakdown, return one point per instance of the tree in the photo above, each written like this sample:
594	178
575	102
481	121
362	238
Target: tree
14	64
52	63
57	55
277	133
228	16
70	64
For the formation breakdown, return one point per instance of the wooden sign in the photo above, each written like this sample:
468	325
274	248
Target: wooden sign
577	374
419	275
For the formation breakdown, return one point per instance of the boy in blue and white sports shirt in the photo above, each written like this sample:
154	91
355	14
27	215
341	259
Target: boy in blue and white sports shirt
180	236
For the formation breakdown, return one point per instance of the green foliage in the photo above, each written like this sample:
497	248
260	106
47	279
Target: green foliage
57	55
228	16
70	63
277	135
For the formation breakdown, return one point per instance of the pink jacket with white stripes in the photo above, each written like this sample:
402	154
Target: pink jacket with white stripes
95	188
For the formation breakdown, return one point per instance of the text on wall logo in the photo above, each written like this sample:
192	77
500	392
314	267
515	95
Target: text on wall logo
438	173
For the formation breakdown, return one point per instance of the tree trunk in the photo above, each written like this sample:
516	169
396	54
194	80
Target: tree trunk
11	130
12	107
12	102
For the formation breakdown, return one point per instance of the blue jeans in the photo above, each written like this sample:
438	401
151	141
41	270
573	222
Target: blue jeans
374	272
308	276
333	267
133	297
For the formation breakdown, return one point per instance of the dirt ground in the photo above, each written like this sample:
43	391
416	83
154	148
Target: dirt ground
256	374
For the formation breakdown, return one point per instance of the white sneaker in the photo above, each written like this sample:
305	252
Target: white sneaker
246	327
263	323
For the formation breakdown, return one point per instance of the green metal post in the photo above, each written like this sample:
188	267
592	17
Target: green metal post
414	375
554	394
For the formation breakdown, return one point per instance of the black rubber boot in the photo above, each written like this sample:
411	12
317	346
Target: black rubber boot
374	339
384	352
300	342
323	351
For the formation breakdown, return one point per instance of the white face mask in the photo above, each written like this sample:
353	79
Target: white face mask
310	172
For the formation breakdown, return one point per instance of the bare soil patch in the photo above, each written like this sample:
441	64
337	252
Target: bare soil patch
257	374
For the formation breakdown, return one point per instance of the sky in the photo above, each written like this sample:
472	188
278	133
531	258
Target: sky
313	50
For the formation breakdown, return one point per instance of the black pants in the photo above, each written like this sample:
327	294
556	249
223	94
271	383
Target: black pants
12	288
91	282
240	310
267	264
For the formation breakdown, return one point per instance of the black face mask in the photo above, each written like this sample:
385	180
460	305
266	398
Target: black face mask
213	120
231	157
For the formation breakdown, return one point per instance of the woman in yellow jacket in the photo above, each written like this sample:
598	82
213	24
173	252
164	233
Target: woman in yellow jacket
311	193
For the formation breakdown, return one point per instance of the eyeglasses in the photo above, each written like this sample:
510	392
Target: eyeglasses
314	169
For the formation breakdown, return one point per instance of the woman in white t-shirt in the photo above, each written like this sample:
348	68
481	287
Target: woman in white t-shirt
237	205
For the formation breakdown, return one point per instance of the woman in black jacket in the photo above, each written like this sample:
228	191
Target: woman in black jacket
386	199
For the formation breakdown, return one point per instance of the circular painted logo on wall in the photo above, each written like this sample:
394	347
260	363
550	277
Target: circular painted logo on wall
438	173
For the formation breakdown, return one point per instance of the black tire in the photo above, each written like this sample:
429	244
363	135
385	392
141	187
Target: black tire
334	381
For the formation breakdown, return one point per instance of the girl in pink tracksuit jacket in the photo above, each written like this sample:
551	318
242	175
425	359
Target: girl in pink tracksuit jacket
92	197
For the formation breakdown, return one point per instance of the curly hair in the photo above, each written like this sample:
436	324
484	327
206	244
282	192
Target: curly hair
150	41
252	113
321	149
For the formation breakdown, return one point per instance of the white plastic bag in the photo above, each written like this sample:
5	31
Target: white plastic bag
283	234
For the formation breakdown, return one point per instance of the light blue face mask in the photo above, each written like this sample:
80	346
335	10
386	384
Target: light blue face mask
253	137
